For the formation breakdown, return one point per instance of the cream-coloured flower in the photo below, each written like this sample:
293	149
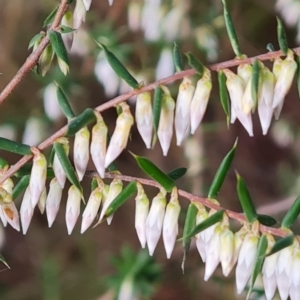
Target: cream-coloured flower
26	211
58	169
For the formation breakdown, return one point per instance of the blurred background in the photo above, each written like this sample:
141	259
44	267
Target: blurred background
47	263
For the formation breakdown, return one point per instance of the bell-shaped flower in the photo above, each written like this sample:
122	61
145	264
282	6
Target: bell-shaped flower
119	139
38	176
226	250
91	209
11	214
79	14
53	201
26	211
45	60
73	207
155	220
2	217
170	225
59	172
245	72
50	101
294	290
67	20
165	127
141	214
246	260
42	201
182	114
115	188
202	215
81	151
144	117
200	99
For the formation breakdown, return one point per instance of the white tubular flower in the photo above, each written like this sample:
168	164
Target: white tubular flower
141	214
11	214
115	189
2	217
73	207
119	139
236	87
182	114
226	250
295	276
265	99
26	211
79	14
170	225
245	72
91	209
51	105
200	237
200	100
87	4
98	144
165	127
144	117
53	201
284	82
67	20
155	219
81	151
38	176
57	167
247	100
134	10
42	201
165	65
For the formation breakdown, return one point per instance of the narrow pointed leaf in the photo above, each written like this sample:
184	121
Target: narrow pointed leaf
66	29
26	170
157	102
66	164
85	118
118	67
231	31
126	193
177	58
177	173
223	93
195	63
298	74
258	263
292	214
2	259
245	200
20	186
266	220
50	17
58	46
14	147
3	163
189	224
213	219
221	173
255	81
154	172
35	39
282	243
64	103
281	36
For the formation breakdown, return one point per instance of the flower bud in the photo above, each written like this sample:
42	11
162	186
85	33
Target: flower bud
79	14
2	217
53	201
294	290
154	221
170	225
200	100
26	211
120	136
91	209
226	250
45	60
57	167
182	115
42	201
11	214
200	237
5	197
81	151
144	117
245	72
73	207
67	20
64	67
165	127
141	214
8	185
51	105
38	176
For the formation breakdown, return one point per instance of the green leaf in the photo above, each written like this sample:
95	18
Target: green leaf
281	36
26	170
189	223
221	173
82	120
231	31
292	214
258	263
177	173
266	220
3	163
50	17
58	46
126	193
14	147
154	172
118	67
213	219
35	39
223	93
255	82
20	186
157	102
66	164
177	59
282	243
66	29
94	184
245	199
2	259
195	63
298	73
64	103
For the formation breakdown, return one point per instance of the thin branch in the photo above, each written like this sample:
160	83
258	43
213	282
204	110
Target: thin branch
33	58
